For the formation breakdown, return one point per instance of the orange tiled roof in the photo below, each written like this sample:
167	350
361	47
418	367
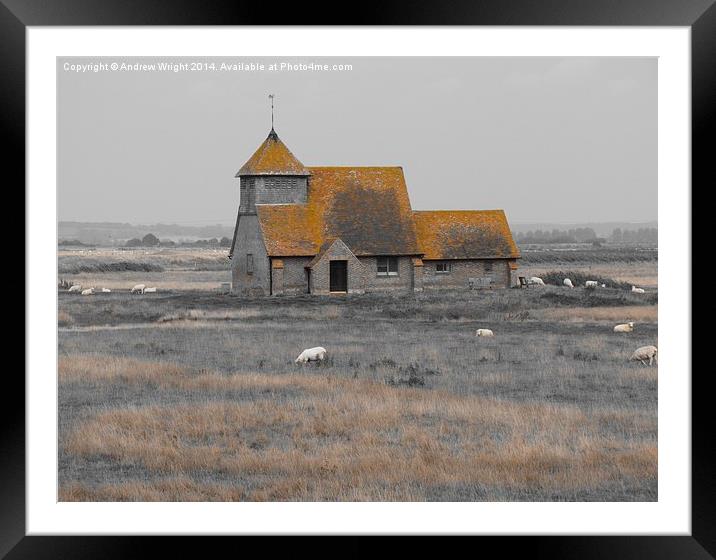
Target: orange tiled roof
287	230
464	234
366	207
273	158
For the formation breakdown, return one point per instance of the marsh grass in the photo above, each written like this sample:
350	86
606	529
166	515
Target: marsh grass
64	319
346	439
189	395
636	313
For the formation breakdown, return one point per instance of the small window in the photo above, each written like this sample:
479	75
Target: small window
387	266
443	267
488	266
249	264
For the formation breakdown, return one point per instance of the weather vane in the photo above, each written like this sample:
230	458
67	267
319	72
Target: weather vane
271	98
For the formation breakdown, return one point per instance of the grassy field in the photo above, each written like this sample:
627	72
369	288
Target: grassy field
191	395
635	265
165	267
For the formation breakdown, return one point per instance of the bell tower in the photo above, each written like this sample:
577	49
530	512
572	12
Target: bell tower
272	175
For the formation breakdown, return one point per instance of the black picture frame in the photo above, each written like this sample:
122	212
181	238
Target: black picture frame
699	15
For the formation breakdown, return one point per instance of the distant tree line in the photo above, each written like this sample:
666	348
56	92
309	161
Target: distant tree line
151	240
587	235
73	242
575	235
641	235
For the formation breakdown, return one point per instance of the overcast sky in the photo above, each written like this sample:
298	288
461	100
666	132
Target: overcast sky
547	139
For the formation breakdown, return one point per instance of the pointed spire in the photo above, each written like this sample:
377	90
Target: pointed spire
271	96
273	158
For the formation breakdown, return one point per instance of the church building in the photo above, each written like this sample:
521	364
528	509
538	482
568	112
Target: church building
323	230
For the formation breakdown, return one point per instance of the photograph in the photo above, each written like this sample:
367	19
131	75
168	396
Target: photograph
357	279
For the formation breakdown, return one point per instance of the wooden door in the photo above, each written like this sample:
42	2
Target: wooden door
338	281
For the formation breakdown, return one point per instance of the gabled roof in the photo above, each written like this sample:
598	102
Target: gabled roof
273	158
327	245
366	207
321	251
465	234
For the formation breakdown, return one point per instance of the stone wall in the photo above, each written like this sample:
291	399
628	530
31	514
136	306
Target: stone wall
320	272
249	242
276	276
418	275
295	279
462	270
374	283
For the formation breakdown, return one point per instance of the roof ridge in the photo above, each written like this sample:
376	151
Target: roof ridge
281	204
354	167
465	210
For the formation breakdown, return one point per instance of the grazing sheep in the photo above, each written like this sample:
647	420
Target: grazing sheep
645	353
591	284
536	280
75	288
604	285
150	290
138	288
106	290
311	355
484	332
625	327
636	290
567	282
88	292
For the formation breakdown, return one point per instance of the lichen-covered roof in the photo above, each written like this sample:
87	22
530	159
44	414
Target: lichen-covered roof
287	230
366	207
464	234
273	158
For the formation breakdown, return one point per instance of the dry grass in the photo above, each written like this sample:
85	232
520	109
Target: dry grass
344	439
327	312
163	256
643	274
175	489
167	268
190	395
636	313
167	280
64	319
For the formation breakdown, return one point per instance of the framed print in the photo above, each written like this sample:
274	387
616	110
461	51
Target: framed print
290	279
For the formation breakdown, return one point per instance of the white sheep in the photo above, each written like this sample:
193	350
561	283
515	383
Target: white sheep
536	280
604	285
645	353
625	327
138	288
106	290
150	290
484	332
636	290
591	284
75	288
88	292
567	282
311	355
